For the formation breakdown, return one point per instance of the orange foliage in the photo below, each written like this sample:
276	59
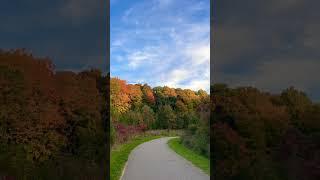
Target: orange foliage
40	101
169	92
148	95
135	94
119	95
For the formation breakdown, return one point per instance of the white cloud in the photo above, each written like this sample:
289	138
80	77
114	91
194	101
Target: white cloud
199	84
199	55
139	57
175	77
167	46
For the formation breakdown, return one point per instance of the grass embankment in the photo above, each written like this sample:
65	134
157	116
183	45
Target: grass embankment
195	158
120	154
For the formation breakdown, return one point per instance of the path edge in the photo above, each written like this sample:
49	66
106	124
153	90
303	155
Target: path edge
124	168
189	162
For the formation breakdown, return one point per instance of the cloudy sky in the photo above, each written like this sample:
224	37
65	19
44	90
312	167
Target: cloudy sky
270	44
161	42
72	33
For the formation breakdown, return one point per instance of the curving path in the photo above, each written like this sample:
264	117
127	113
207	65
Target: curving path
154	160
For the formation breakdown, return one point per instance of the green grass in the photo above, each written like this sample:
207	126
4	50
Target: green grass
119	156
196	159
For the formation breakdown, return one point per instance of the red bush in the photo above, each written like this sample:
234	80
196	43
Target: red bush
124	132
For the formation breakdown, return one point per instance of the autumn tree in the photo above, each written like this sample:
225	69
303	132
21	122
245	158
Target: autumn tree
166	117
49	119
297	104
258	134
119	96
148	96
148	116
135	95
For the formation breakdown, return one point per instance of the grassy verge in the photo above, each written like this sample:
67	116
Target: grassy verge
196	159
165	132
119	155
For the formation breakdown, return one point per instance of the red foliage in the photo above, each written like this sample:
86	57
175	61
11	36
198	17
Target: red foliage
39	103
125	132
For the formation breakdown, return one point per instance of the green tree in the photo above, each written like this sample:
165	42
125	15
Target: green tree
297	104
148	116
132	118
166	117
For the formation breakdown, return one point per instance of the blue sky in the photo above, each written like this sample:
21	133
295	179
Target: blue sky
161	42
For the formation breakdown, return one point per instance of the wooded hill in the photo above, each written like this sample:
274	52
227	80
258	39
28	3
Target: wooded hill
258	135
52	123
136	108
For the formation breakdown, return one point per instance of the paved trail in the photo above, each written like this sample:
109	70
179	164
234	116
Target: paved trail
154	160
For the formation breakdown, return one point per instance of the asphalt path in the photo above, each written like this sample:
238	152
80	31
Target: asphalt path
154	160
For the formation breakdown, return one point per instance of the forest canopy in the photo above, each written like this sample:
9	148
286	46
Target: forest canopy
137	108
52	123
259	135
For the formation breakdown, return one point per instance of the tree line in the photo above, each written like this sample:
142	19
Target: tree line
137	105
52	123
259	135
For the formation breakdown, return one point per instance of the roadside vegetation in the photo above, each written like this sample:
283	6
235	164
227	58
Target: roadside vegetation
120	152
119	155
52	123
259	135
137	108
196	159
